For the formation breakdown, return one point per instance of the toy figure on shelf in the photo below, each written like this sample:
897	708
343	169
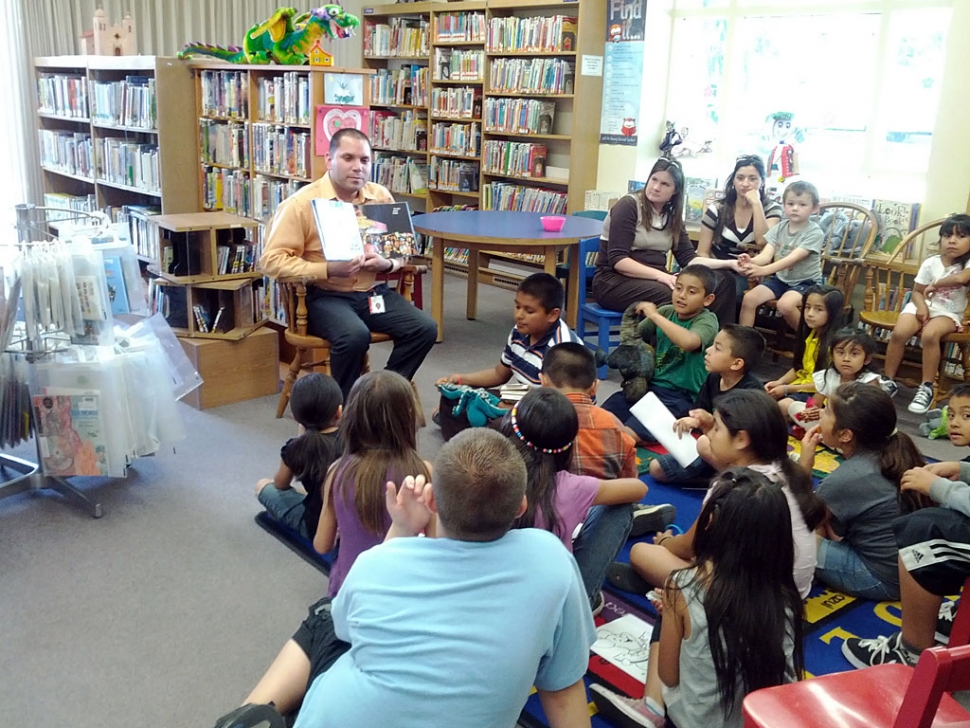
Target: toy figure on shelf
671	139
689	148
783	159
285	38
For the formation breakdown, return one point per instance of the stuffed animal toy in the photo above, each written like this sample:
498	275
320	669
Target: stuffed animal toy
634	358
935	427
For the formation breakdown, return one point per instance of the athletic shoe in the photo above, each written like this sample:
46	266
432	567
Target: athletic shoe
599	601
888	386
436	417
944	622
921	400
877	651
623	711
624	577
252	716
650	519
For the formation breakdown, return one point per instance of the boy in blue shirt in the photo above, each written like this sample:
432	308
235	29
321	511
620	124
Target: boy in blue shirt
538	326
683	329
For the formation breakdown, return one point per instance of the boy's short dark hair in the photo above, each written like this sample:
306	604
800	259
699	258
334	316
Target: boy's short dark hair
570	366
801	187
960	390
545	288
479	482
746	343
705	275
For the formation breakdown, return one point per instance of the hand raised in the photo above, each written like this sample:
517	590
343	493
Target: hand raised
408	505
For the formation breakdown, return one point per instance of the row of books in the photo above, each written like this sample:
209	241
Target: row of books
406	37
227	189
516	159
453	64
457	102
63	95
125	103
224	142
225	94
531	75
458	27
400	174
407	85
453	175
205	323
508	196
232	259
144	235
281	150
535	34
284	99
128	163
522	116
405	131
269	192
66	151
269	301
463	139
68	203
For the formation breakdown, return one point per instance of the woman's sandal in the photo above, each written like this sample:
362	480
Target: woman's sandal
624	577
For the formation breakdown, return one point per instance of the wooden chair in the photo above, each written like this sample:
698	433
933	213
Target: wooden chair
886	695
293	293
888	277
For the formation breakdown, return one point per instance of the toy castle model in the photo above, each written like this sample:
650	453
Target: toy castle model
109	40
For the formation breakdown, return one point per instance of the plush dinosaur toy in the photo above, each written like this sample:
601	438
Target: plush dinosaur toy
284	38
634	358
935	427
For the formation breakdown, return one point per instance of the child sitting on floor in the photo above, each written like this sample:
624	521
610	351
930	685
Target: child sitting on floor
857	551
735	352
538	326
316	403
379	433
544	425
731	624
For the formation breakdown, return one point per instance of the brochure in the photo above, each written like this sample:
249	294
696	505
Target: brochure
337	225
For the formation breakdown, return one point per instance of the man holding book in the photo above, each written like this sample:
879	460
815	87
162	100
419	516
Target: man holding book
344	300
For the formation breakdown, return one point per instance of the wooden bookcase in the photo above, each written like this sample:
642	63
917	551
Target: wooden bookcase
112	133
468	113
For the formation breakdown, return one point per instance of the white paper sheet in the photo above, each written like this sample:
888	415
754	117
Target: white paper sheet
625	642
659	420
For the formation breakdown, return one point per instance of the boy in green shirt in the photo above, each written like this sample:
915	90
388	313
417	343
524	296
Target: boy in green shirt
683	330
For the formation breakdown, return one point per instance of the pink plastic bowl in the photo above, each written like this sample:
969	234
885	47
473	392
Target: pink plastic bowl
552	223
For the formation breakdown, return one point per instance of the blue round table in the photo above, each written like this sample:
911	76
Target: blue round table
501	231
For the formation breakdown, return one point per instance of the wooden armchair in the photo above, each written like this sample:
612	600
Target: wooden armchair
888	278
293	292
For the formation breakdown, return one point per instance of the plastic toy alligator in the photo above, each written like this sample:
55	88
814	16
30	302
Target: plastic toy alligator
284	38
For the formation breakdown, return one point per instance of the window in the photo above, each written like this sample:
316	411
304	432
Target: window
861	78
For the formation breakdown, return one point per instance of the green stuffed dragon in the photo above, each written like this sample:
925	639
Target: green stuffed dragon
284	38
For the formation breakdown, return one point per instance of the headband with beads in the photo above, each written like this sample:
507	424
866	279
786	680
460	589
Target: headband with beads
530	445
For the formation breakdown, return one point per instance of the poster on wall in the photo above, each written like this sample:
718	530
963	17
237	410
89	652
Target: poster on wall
622	71
331	119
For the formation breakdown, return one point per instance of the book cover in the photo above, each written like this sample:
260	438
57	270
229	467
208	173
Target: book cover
70	434
388	227
547	116
117	290
634	186
896	219
625	642
336	223
696	188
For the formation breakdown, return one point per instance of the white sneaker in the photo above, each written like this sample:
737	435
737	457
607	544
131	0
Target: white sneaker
888	386
921	400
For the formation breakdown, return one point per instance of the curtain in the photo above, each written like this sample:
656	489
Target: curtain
32	28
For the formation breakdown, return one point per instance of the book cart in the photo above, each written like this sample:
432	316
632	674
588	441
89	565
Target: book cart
62	379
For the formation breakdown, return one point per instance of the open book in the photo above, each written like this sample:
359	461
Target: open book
345	230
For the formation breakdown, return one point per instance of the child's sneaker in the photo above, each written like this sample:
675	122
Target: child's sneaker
599	601
944	622
650	519
252	716
623	711
888	386
878	651
921	400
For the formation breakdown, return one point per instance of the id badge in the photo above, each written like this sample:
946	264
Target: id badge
376	303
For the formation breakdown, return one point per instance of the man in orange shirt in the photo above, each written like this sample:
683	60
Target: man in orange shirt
344	300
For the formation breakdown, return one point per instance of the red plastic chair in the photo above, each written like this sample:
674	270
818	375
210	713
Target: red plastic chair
886	695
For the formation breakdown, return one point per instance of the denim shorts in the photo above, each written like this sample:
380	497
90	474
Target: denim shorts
285	506
840	567
780	288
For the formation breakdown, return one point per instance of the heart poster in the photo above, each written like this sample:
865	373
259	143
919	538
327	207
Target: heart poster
331	119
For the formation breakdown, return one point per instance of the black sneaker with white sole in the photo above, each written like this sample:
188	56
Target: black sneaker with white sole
877	651
944	621
650	519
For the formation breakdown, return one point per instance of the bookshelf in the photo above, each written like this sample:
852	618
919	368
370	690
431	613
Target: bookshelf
111	133
512	124
257	144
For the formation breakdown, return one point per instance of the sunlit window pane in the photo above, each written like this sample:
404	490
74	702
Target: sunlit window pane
696	74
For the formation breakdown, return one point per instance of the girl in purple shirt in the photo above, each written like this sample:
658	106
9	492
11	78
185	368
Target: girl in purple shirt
379	433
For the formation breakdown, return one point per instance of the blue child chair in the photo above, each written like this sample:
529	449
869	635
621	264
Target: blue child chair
593	313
